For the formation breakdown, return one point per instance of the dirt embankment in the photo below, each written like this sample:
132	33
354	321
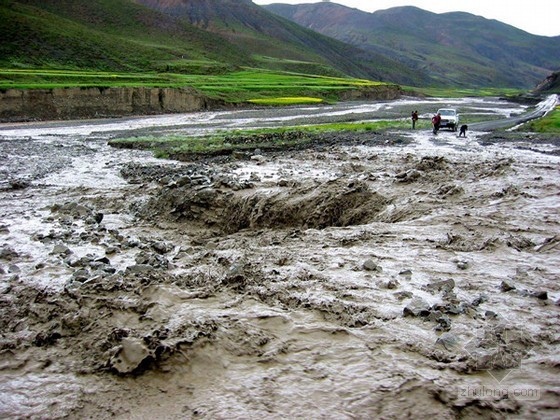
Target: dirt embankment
73	103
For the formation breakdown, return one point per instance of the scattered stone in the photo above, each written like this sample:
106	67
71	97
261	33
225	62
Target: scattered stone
111	250
442	285
61	249
479	300
162	247
13	268
81	275
542	295
130	355
417	307
7	253
370	265
391	284
408	176
490	315
260	159
103	260
139	269
548	244
448	341
152	259
403	295
506	287
19	184
463	265
443	323
406	273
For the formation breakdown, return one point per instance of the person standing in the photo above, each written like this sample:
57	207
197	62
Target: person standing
414	117
436	121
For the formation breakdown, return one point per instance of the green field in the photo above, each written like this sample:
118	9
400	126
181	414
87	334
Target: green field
240	86
225	142
448	92
548	124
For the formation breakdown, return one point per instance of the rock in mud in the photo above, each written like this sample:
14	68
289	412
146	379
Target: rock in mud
441	285
139	269
19	184
7	253
549	244
61	249
130	356
417	307
490	315
408	176
391	284
463	265
506	286
370	265
448	341
479	300
13	268
540	294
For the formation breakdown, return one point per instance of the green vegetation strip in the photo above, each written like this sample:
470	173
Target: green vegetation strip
240	86
286	101
243	140
548	124
446	92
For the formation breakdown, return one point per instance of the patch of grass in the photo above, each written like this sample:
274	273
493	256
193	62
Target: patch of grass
449	92
266	138
548	124
286	101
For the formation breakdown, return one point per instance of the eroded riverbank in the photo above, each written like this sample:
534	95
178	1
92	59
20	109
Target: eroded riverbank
372	280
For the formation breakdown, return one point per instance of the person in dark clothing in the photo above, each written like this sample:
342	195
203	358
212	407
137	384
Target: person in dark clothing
436	121
414	117
463	131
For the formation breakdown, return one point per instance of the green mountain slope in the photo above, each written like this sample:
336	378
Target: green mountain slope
188	36
455	49
106	35
277	43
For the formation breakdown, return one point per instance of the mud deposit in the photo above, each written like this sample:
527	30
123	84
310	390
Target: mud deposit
380	280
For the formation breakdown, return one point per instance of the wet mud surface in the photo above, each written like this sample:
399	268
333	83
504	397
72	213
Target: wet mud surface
379	279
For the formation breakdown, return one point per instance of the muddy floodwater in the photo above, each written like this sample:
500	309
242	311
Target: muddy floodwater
401	275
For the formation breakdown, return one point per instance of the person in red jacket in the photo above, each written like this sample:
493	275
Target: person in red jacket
436	121
414	117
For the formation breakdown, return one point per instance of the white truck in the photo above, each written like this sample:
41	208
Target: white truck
449	118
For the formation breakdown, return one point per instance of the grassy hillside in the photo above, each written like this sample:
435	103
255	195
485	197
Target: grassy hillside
187	36
107	35
277	43
454	49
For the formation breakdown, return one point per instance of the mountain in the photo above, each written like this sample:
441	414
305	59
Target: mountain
455	49
191	36
106	35
278	43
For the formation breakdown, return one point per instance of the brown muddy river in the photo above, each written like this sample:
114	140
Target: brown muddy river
407	275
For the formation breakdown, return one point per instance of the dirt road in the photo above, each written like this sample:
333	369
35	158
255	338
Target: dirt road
412	275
